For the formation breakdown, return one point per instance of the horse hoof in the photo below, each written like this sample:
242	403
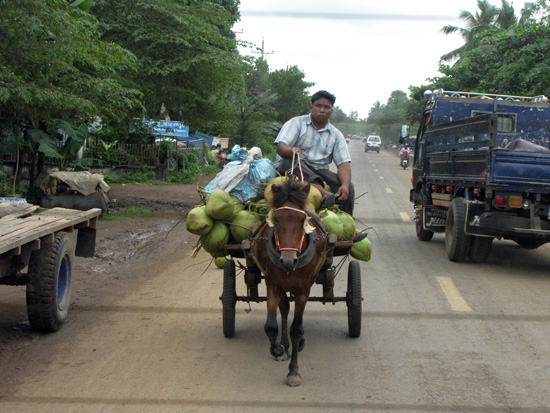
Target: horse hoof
284	357
294	380
301	344
277	351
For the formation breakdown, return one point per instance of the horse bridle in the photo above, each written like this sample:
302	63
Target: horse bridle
299	249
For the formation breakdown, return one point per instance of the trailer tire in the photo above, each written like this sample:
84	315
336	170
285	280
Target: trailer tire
456	240
48	288
480	249
229	298
354	299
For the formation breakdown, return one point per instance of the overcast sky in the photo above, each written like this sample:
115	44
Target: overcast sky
358	50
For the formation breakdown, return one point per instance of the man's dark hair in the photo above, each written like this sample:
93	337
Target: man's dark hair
323	94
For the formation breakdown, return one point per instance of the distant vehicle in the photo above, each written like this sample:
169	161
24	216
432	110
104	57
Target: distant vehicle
373	143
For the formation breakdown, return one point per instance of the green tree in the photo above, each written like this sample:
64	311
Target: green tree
53	65
291	90
516	62
386	120
476	24
187	55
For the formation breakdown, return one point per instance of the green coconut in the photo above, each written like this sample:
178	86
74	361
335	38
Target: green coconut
348	223
219	205
315	198
216	240
361	250
237	204
198	222
332	223
220	262
275	181
242	224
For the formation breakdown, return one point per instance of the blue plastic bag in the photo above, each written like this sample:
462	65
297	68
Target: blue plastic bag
244	178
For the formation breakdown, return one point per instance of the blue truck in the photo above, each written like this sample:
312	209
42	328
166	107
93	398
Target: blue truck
481	171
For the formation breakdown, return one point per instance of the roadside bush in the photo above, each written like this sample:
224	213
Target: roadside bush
139	176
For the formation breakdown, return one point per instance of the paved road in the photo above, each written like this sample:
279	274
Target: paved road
437	336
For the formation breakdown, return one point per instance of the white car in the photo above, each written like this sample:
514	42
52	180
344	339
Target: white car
373	143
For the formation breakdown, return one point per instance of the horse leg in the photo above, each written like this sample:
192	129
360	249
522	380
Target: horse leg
284	308
297	338
270	327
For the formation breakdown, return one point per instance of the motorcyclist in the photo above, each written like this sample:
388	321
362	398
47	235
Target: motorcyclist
404	153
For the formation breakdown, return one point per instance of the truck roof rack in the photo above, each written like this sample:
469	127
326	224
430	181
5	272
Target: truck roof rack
448	93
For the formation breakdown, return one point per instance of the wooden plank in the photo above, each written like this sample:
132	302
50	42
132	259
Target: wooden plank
9	210
42	223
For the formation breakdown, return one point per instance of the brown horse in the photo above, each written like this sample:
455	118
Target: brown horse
290	252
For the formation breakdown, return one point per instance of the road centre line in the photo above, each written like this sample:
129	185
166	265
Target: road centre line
453	296
389	191
381	177
404	216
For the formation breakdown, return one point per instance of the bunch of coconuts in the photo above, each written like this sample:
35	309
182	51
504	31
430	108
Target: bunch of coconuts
223	220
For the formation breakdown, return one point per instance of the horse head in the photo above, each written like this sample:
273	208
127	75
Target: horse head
291	234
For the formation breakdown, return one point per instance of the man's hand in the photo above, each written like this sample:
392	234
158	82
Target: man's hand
344	176
286	151
343	193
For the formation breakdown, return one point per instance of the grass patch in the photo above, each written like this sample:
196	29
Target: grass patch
126	211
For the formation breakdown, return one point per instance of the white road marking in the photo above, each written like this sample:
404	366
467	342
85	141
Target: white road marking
377	170
381	177
405	217
453	296
389	191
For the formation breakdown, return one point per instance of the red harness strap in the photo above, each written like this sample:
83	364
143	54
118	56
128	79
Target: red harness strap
298	250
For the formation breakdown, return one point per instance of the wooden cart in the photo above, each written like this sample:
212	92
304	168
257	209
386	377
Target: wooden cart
36	250
253	277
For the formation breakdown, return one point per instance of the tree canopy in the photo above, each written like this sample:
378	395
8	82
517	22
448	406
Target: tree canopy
511	57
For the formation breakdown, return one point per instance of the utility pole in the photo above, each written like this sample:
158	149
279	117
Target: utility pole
262	52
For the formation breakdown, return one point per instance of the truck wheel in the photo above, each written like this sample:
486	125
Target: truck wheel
354	300
480	248
421	233
49	284
229	298
456	240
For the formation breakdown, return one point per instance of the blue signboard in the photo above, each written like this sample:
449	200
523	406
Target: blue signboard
168	128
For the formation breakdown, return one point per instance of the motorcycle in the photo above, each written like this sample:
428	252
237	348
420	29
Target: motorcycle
404	156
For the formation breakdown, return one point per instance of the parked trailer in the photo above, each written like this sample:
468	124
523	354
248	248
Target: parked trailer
37	250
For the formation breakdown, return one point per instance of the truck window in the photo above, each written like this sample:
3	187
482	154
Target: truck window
506	122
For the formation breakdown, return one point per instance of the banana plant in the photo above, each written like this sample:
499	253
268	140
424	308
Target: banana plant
63	144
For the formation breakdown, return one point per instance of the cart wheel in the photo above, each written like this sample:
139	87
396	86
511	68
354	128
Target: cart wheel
229	298
354	300
49	284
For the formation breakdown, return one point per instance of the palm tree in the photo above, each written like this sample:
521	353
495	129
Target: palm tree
475	24
506	16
